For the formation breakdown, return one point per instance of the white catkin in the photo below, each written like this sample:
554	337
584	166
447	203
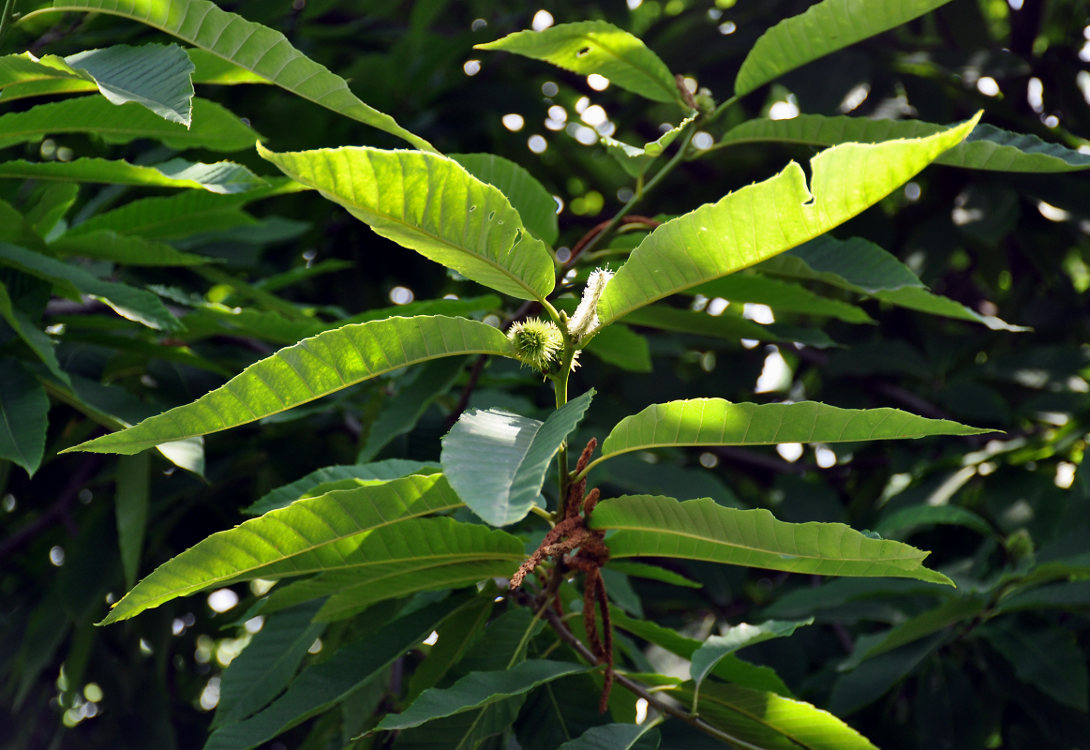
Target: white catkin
584	320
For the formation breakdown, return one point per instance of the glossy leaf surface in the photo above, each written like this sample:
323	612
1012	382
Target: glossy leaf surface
987	147
770	721
529	197
596	47
765	219
654	526
781	296
313	368
393	468
219	177
213	127
825	27
433	205
250	46
715	421
309	536
421	554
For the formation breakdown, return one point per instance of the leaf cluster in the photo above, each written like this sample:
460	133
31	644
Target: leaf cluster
332	388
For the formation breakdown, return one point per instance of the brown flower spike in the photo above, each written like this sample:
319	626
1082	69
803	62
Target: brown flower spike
575	546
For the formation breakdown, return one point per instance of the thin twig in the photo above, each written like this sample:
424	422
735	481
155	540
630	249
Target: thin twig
636	688
618	217
580	247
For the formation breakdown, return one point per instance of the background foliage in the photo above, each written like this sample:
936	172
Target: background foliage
1001	662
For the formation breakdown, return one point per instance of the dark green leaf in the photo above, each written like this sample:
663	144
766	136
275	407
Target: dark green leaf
729	668
175	217
478	689
862	267
393	468
1047	658
646	525
127	250
907	520
987	147
326	684
1068	595
265	667
825	27
401	412
128	302
38	341
221	177
457	634
717	647
870	680
608	737
133	475
653	572
24	410
949	613
622	347
213	127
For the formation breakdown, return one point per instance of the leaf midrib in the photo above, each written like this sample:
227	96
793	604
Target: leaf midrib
734	545
757	719
443	241
146	443
605	48
392	219
437	560
182	591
